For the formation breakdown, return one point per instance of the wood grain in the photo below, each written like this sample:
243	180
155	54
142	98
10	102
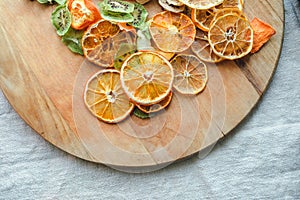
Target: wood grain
44	82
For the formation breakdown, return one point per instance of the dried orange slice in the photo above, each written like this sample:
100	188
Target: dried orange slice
172	32
201	4
156	107
203	50
147	77
231	36
102	40
190	74
105	98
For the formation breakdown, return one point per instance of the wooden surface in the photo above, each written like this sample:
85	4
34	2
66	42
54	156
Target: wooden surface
44	83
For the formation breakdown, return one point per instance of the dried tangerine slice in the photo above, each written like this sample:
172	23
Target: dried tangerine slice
190	74
203	50
172	32
202	4
158	106
147	77
102	40
231	36
105	98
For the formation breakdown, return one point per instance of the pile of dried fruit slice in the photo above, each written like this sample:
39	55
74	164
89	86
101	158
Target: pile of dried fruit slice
152	57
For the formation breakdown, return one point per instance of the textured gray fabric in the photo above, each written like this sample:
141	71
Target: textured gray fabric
260	159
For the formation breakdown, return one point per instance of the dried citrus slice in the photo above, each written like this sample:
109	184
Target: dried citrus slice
231	36
201	4
172	32
190	74
147	77
102	40
156	107
203	50
105	98
203	18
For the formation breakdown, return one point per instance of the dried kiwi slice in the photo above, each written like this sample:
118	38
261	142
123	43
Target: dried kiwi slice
125	50
114	16
61	19
118	6
140	15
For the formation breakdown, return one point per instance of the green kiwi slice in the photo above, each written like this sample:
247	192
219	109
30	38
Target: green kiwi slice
140	15
118	6
61	19
114	16
124	51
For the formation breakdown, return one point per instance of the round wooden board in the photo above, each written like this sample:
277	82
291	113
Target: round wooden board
44	82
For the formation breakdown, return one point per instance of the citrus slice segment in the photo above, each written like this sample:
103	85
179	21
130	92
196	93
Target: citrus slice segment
105	98
190	74
147	77
201	4
203	50
231	36
172	32
156	107
102	40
